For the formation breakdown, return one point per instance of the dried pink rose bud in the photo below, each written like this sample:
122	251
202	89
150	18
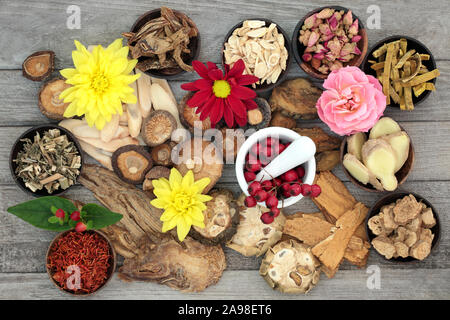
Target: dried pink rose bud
347	49
305	37
330	56
320	49
319	56
323	69
310	49
348	18
338	16
353	30
313	38
334	46
333	22
346	58
307	57
325	13
309	22
335	65
318	22
357	51
356	38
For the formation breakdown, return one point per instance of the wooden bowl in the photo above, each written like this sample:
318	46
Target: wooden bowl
401	175
18	146
194	46
392	197
412	44
261	88
111	268
298	48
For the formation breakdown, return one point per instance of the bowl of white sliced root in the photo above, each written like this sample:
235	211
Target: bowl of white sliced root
379	160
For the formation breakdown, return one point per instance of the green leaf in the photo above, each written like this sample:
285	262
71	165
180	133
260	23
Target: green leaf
53	219
100	216
38	211
53	209
72	223
89	225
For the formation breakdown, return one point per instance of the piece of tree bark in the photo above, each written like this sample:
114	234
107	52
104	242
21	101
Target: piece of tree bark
323	141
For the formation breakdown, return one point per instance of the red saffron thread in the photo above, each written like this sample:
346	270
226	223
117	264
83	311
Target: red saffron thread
88	251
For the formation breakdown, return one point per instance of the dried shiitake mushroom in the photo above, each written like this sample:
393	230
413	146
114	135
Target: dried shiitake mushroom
49	103
253	237
39	66
188	116
221	219
202	157
131	163
155	173
162	154
158	127
290	267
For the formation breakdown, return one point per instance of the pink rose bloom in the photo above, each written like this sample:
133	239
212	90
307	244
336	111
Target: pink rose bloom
352	102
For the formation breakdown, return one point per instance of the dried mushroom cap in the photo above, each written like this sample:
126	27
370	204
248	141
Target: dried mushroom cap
221	219
162	154
202	157
290	267
155	173
39	65
253	237
131	163
158	127
49	103
189	116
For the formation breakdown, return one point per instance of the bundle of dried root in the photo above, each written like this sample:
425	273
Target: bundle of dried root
163	40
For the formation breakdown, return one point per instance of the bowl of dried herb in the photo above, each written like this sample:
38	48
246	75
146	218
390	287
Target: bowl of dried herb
46	160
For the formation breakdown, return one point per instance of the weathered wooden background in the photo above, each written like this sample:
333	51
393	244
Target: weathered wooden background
29	26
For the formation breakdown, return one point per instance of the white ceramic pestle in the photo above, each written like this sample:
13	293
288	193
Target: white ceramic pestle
298	152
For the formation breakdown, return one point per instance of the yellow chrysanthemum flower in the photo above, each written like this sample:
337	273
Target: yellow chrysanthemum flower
182	201
100	83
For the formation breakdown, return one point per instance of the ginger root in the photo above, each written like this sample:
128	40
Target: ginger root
383	127
356	168
399	141
355	143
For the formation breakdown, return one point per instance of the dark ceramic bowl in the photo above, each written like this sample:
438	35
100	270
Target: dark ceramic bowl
110	272
18	146
392	197
194	46
298	48
412	44
261	88
401	175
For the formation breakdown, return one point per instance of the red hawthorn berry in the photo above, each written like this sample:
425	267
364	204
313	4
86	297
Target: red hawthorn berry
75	216
271	141
306	190
60	213
254	187
300	171
266	218
315	190
267	185
272	202
289	176
261	195
250	202
255	149
275	212
277	182
80	227
249	176
295	189
253	166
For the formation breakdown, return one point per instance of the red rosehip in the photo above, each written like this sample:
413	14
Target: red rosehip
261	195
254	187
266	218
295	189
289	176
306	190
271	202
285	187
249	176
267	185
75	216
277	182
300	171
60	213
253	166
275	212
315	190
80	227
250	202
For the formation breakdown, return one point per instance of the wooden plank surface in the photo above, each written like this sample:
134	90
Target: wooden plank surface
32	25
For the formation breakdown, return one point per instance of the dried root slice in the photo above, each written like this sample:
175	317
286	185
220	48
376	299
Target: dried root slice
420	250
260	117
131	163
144	85
97	154
290	267
189	118
384	246
49	103
376	225
202	157
280	120
253	237
162	154
39	65
155	173
355	143
134	116
427	218
110	129
158	127
383	127
111	146
162	99
400	142
221	218
327	160
379	157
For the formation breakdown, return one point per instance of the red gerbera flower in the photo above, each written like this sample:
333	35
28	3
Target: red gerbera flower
222	95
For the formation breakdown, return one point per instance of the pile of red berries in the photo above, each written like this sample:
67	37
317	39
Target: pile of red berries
289	184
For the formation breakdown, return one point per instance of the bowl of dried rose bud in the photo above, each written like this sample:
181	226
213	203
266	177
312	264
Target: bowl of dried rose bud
46	160
327	39
264	46
165	42
275	168
80	263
